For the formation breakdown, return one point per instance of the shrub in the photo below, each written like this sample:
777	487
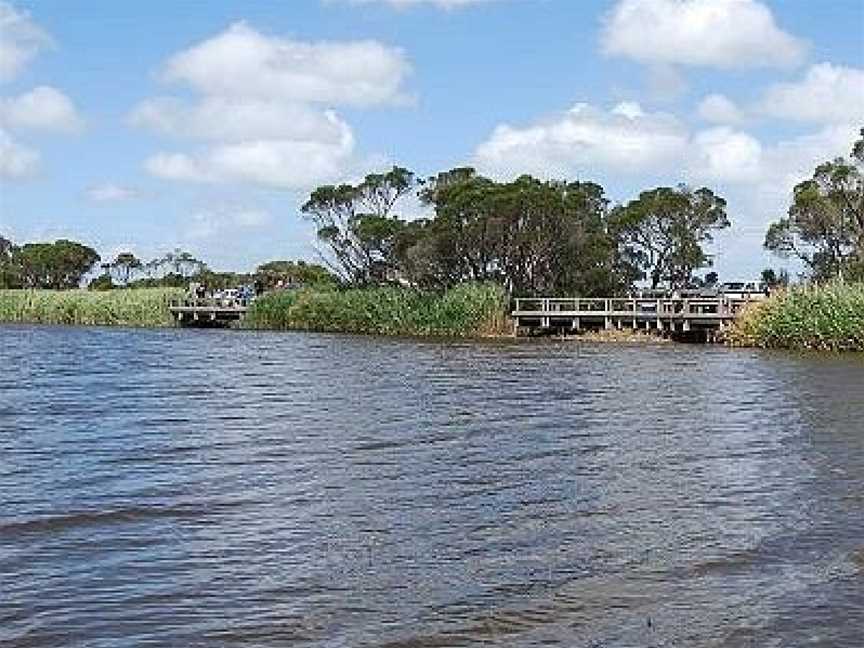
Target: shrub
827	318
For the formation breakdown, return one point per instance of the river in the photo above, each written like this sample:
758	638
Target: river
224	488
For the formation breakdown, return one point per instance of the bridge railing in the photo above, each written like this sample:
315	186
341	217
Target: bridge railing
624	306
210	303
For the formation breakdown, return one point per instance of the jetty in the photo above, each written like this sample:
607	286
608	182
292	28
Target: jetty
208	311
699	318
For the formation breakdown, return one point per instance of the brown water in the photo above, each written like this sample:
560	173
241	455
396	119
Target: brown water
207	488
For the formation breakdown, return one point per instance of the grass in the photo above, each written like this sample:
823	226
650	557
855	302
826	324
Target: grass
470	310
827	318
138	307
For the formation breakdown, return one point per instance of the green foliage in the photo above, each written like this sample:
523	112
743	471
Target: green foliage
664	231
356	223
825	224
102	282
293	273
59	265
469	310
829	318
143	307
533	236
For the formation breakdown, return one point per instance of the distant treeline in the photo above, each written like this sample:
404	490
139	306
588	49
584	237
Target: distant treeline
530	236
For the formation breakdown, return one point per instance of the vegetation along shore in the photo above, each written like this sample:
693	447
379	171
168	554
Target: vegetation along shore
483	243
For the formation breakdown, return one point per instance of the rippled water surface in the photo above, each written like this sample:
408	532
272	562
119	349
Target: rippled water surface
207	488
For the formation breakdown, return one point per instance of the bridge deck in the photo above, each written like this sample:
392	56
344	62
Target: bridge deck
669	314
208	312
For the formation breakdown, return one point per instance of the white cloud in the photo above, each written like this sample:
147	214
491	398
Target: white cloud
262	107
20	41
279	163
110	192
718	33
16	161
827	94
718	109
725	155
235	119
583	138
589	142
242	62
210	222
43	108
403	4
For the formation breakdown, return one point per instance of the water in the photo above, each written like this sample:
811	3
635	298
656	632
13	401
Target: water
211	488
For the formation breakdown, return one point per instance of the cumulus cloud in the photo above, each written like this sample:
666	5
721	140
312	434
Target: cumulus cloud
726	155
43	108
279	163
588	141
717	33
264	107
16	160
242	62
20	41
625	138
216	221
109	192
718	109
827	94
236	119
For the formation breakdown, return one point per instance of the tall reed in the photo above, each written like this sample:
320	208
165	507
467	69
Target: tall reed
829	318
129	307
470	310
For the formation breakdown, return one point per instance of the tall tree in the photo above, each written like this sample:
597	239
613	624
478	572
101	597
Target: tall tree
664	231
123	267
357	223
824	227
9	277
60	265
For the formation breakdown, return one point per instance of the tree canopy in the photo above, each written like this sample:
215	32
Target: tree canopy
824	227
663	232
357	225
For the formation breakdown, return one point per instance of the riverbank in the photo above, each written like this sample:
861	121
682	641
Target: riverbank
146	307
827	318
469	310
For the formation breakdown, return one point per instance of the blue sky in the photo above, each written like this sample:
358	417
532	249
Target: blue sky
204	124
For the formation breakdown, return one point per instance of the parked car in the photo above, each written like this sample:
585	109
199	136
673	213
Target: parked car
743	290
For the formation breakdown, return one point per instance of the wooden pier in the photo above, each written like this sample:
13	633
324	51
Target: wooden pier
209	312
695	318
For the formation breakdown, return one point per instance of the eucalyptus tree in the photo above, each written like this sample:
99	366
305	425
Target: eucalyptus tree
824	227
665	230
9	277
123	268
59	265
358	226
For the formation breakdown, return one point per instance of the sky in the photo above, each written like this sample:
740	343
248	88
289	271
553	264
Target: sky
204	124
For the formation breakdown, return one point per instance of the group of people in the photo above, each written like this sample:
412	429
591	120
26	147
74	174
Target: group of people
242	293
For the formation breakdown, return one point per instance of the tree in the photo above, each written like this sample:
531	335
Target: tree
123	268
773	279
9	276
711	279
293	273
664	230
533	236
824	226
357	224
59	265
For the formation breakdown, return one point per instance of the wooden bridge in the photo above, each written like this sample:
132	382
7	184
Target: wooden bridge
697	318
208	312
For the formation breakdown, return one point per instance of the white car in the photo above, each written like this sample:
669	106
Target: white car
743	290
